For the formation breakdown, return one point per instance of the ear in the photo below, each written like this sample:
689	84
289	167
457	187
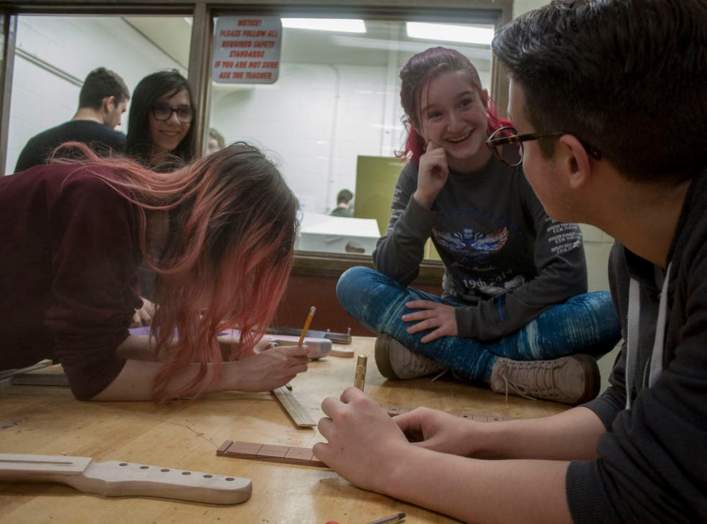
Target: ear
574	161
109	104
484	94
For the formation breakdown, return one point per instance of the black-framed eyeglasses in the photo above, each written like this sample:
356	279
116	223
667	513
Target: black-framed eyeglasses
163	112
507	144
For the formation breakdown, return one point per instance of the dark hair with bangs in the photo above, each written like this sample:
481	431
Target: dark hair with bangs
147	92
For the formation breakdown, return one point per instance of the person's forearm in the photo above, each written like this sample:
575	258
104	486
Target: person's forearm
570	435
135	381
137	347
476	490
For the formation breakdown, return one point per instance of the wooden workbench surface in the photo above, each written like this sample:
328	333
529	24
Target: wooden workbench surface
47	420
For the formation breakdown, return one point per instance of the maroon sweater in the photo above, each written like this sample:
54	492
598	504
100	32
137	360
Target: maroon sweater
69	253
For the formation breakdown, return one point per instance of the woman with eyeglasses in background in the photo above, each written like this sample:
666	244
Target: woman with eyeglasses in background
161	137
515	312
160	131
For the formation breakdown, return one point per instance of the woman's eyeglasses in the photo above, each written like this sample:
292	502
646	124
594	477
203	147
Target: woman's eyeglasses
163	112
507	144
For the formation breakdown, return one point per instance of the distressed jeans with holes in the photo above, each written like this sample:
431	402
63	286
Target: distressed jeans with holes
585	323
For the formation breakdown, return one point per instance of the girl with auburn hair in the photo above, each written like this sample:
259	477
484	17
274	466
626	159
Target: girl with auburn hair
515	281
224	227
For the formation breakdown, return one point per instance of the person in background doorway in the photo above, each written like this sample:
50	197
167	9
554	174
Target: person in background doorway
102	101
515	313
160	131
215	143
344	205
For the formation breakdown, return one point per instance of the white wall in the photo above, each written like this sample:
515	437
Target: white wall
75	45
315	121
523	6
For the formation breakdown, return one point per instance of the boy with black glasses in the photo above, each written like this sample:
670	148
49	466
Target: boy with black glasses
618	89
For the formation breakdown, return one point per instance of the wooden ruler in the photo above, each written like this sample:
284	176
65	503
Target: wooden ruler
269	453
115	479
299	415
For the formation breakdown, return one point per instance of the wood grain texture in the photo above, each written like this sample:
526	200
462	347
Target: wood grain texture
471	415
296	411
341	352
186	434
118	478
360	372
270	453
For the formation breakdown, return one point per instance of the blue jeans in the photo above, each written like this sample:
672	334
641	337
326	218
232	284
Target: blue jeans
585	323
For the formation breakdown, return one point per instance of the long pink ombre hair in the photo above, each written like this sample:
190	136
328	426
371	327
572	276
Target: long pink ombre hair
228	253
419	70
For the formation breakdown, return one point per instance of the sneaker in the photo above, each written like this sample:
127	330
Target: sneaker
570	380
395	361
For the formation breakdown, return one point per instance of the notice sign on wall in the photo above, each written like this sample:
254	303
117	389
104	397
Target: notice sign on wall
247	49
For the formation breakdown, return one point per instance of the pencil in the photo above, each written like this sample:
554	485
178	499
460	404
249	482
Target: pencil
307	323
398	517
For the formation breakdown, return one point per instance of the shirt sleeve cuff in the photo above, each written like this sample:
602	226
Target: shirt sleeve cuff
606	406
464	322
586	498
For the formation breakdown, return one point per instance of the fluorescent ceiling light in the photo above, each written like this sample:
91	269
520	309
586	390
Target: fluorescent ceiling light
408	46
340	25
450	33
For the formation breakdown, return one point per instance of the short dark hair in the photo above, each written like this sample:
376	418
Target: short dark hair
99	84
148	90
344	196
628	77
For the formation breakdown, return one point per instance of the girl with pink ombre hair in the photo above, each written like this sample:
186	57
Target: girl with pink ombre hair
219	233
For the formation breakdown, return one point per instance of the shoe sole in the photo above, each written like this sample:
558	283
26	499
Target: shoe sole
382	354
593	377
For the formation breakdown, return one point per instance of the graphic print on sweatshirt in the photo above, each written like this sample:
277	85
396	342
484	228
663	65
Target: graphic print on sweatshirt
473	258
470	247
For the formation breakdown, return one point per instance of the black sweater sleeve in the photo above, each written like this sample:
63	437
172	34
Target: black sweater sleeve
651	465
399	253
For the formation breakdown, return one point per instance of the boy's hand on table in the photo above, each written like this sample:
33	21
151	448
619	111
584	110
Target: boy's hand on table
438	431
363	441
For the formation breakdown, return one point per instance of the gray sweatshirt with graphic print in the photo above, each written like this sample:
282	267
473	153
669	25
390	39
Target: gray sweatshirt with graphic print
504	258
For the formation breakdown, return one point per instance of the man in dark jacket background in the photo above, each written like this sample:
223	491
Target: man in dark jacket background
102	102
